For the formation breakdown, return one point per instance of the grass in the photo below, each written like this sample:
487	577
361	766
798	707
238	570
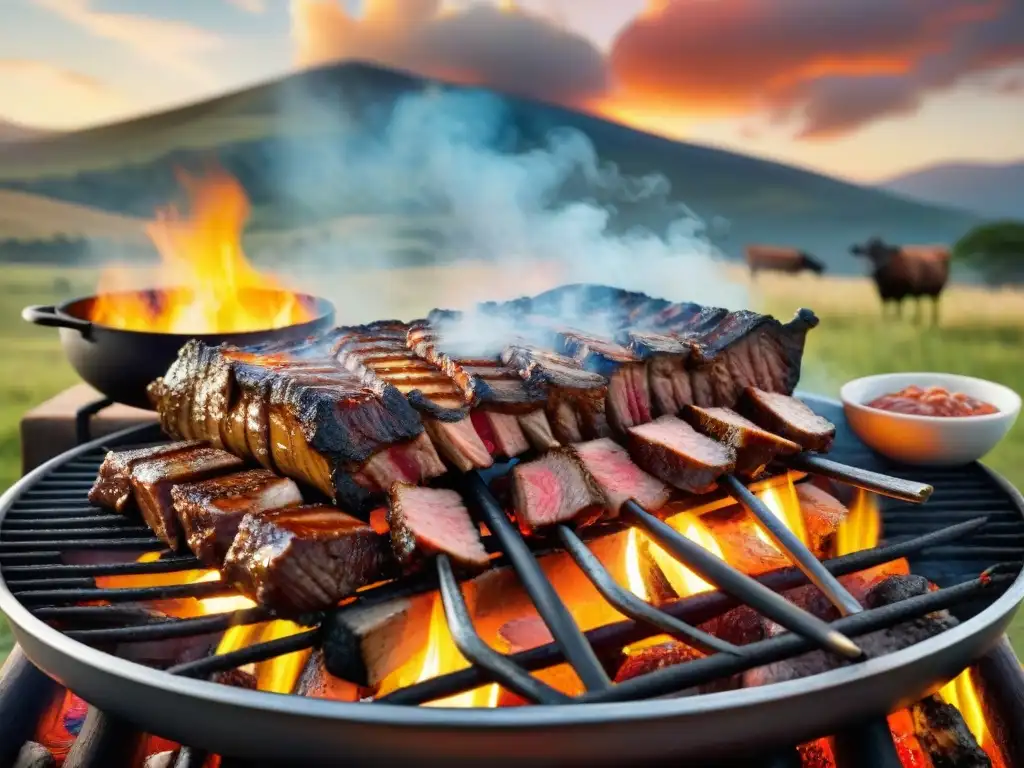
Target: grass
981	334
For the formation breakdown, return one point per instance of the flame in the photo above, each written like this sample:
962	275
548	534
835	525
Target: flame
684	581
439	657
862	528
210	285
784	504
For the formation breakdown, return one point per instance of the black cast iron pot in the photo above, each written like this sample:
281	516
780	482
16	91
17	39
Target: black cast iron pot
121	363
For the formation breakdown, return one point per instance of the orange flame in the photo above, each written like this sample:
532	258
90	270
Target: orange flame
207	284
439	657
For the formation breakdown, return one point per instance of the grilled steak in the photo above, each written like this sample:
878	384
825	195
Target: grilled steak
210	511
667	376
576	397
555	488
428	521
785	415
295	409
501	398
152	480
823	514
112	488
307	558
380	353
619	478
754	446
673	451
628	401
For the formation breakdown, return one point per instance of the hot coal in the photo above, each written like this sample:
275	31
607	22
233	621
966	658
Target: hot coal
653	657
556	488
426	521
822	514
619	478
754	446
944	736
673	451
308	558
152	480
787	416
888	591
317	683
210	511
112	488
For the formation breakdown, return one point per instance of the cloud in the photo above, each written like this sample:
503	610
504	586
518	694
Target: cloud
836	67
513	50
43	94
249	6
173	45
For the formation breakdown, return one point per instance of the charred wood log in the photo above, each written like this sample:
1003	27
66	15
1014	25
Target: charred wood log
999	681
945	737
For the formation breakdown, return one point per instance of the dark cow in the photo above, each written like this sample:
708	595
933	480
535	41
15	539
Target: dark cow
775	258
907	270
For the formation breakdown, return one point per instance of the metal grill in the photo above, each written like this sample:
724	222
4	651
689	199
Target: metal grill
973	556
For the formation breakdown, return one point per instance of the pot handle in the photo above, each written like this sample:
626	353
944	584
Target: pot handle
46	314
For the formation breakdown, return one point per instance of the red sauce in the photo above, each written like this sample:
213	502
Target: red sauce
933	401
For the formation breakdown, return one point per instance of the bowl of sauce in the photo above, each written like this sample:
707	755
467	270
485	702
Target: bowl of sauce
937	419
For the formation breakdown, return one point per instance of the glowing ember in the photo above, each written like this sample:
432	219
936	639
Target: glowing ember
212	287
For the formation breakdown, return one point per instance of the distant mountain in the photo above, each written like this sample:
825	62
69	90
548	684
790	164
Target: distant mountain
12	132
994	191
317	145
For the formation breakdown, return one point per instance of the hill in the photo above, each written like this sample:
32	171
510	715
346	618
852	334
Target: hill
991	190
339	141
15	132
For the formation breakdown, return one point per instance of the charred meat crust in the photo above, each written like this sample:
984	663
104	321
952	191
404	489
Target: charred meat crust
112	488
153	479
210	511
754	446
789	417
302	559
674	452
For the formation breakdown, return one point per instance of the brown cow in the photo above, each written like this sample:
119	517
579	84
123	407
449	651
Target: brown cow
907	270
775	258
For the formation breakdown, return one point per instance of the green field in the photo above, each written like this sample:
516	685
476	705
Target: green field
982	334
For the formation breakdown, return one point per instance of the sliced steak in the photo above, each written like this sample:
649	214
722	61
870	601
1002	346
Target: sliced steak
379	352
152	480
667	376
429	521
308	558
673	451
754	446
823	514
576	397
555	488
112	488
210	511
787	416
619	478
628	401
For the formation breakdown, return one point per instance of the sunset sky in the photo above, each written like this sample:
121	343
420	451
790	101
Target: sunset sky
861	89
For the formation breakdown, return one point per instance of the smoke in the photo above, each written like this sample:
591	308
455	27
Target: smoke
451	200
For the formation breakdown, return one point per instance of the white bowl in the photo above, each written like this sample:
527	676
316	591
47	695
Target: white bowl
929	440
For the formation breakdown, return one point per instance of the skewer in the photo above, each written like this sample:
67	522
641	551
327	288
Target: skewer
893	487
793	548
739	585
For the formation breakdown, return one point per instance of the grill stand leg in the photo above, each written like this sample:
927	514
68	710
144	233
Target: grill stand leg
999	680
867	746
104	742
25	692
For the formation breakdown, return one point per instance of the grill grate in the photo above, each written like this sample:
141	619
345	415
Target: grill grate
51	521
